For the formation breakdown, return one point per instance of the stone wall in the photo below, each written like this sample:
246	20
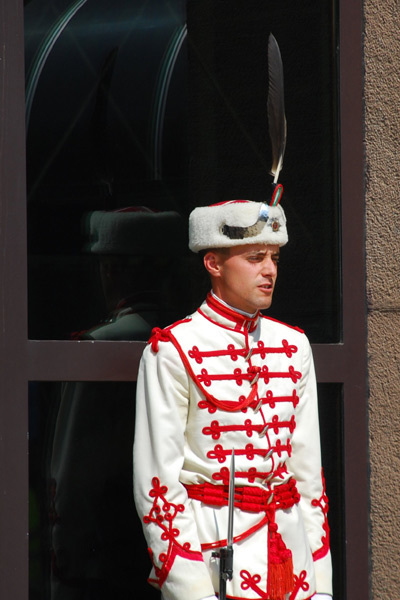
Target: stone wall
382	148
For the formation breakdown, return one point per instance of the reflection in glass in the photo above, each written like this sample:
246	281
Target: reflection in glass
136	252
85	538
106	130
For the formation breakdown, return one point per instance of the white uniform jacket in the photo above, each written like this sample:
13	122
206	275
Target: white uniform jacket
212	382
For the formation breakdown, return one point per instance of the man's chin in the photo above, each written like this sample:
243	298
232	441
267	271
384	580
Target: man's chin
264	308
265	303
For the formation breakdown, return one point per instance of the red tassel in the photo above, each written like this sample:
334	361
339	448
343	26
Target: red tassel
280	566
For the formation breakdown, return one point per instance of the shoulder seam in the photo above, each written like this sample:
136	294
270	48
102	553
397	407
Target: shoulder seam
173	325
282	323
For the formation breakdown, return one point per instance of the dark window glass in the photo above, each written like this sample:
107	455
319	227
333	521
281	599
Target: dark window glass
107	166
330	402
86	540
126	111
232	158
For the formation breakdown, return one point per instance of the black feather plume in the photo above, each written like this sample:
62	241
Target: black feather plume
276	107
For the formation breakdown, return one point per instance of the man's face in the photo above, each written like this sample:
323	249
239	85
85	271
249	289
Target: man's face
244	276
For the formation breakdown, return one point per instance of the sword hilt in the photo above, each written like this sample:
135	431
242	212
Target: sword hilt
226	562
225	556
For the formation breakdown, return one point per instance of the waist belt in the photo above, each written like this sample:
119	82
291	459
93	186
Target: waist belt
253	499
247	498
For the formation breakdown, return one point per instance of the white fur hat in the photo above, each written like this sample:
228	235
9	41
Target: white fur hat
236	223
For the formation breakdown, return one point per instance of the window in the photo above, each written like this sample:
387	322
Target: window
64	296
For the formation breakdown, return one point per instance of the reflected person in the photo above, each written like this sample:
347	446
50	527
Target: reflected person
94	529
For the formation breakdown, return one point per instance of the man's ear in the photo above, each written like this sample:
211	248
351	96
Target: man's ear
212	262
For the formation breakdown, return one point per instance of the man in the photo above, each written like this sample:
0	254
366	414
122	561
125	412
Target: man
229	378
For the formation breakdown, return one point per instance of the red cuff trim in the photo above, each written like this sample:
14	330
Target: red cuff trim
323	504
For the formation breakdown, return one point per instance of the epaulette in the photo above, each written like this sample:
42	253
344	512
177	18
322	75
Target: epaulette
163	335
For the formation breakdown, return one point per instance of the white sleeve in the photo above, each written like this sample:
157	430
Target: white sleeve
161	500
305	464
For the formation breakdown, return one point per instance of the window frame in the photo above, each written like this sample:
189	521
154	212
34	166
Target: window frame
24	360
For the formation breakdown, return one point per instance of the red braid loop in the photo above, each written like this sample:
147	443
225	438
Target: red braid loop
158	335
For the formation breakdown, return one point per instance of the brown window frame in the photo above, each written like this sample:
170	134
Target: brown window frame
24	360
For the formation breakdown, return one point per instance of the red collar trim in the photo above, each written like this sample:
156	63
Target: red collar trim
238	321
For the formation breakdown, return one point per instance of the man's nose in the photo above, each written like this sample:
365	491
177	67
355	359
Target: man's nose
269	268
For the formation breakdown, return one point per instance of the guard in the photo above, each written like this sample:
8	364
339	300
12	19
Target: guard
227	377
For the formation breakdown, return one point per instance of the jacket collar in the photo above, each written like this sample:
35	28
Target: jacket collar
222	314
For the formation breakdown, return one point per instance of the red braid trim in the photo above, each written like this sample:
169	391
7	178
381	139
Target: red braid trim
247	498
223	405
280	565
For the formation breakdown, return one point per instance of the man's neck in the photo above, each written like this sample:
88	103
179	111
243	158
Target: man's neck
241	312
